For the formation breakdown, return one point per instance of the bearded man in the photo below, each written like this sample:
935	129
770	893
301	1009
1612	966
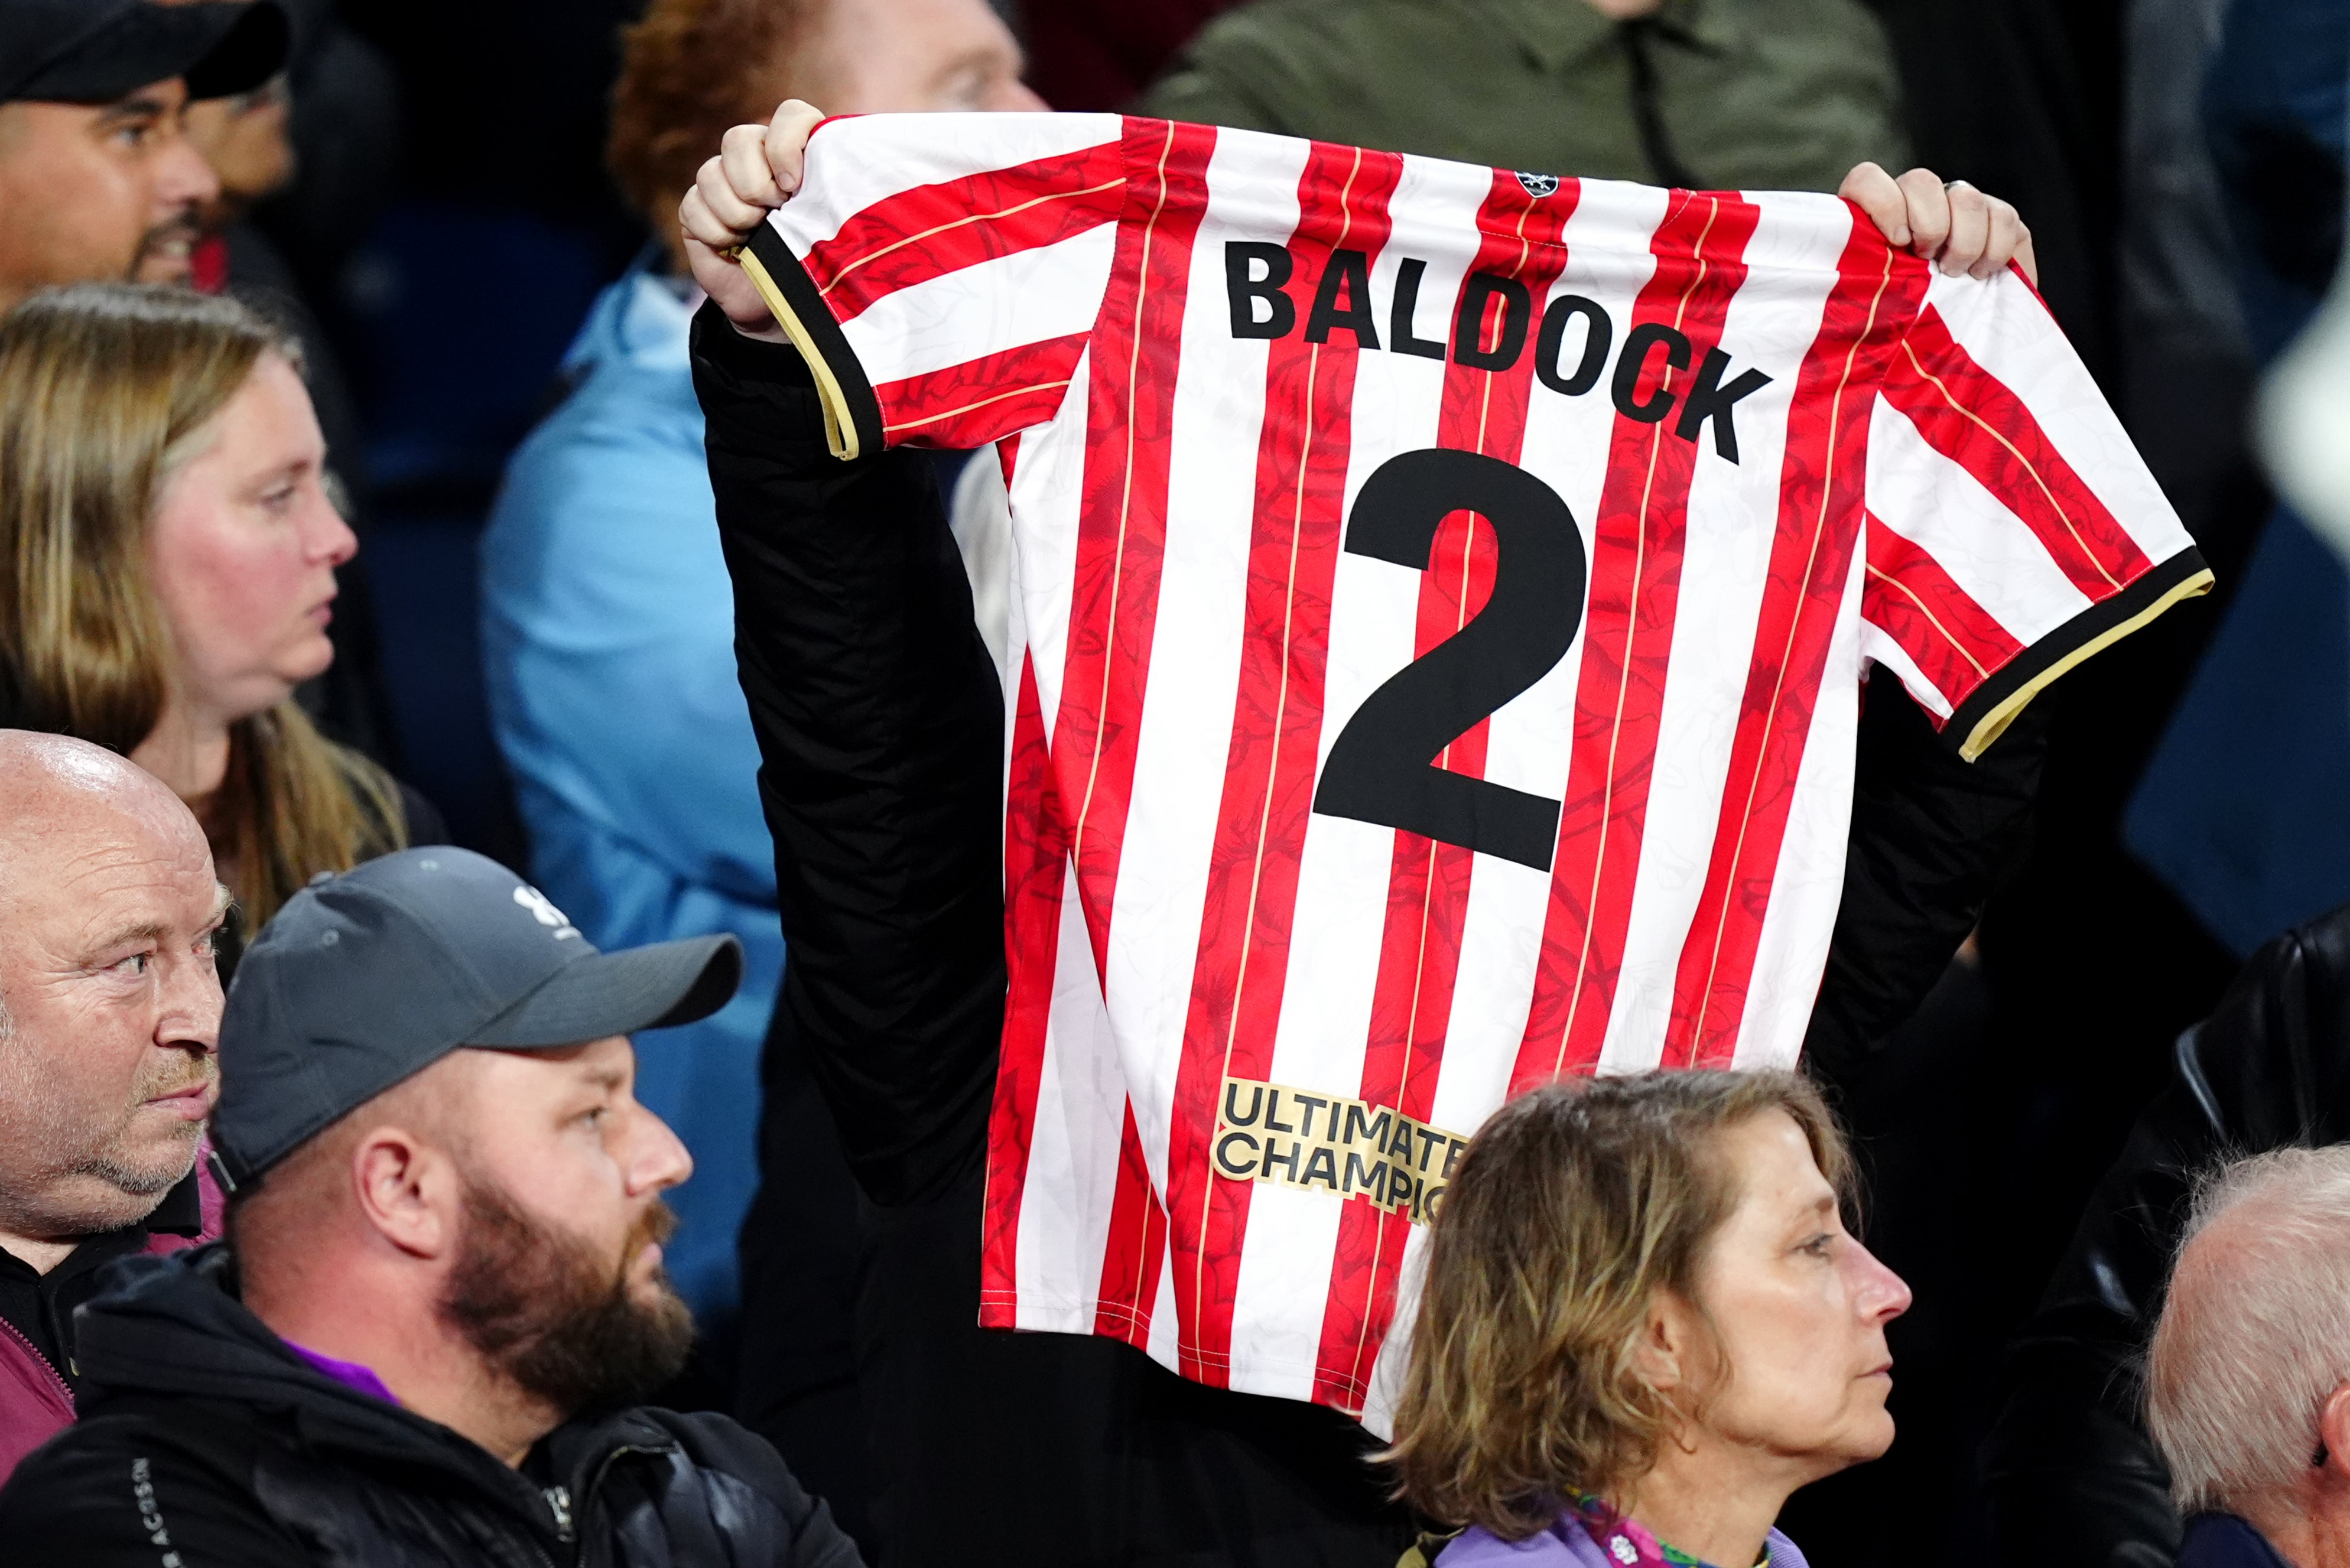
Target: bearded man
441	1292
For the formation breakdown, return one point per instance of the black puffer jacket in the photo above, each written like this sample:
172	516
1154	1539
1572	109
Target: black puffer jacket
2074	1477
205	1443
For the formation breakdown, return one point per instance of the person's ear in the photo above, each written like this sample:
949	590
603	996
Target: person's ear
408	1191
2333	1454
1662	1356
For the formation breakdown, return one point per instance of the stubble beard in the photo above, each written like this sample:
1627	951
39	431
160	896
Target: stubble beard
52	1151
552	1316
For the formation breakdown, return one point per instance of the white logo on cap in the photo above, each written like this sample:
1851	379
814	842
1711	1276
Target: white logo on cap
542	908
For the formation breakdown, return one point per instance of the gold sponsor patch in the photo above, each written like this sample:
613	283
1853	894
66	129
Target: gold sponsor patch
1323	1143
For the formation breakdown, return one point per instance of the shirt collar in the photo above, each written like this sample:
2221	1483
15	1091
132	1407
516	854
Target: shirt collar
1555	33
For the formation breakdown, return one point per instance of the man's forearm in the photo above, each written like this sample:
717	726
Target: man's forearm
1932	838
880	733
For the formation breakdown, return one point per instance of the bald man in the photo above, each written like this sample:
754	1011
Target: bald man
109	1015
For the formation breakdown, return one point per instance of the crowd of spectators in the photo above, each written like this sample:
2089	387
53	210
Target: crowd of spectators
346	1134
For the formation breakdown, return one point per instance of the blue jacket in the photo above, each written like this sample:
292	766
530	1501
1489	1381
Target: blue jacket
607	631
2240	809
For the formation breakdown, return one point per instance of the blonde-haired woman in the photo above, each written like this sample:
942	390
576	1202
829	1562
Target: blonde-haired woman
167	567
1643	1326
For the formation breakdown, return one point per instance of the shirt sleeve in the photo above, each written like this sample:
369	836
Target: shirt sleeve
941	272
2012	529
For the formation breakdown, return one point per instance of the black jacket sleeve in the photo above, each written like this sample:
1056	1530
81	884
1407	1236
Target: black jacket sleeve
2073	1475
719	1445
1932	838
116	1499
879	723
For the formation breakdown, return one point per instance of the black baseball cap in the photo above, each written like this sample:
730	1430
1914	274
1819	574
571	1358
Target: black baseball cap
367	978
94	51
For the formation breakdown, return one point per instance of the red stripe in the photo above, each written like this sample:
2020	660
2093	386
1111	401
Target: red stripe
968	405
1954	642
1429	883
1635	593
1971	417
1036	869
1876	295
930	231
1137	1248
1114	602
1252	888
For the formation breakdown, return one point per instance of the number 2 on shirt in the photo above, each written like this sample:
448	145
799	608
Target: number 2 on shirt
1382	767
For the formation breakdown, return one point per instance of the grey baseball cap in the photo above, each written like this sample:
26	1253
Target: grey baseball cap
367	978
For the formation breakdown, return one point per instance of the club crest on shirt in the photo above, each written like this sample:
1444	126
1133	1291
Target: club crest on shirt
1538	184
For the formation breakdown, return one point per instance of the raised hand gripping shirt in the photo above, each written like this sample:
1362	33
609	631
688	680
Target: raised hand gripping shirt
1442	597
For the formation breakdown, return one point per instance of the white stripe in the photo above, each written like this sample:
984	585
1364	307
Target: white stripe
1166	1327
1808	882
856	162
1877	645
1386	1381
1015	621
1048	493
1028	296
2009	334
1990	553
1072	1178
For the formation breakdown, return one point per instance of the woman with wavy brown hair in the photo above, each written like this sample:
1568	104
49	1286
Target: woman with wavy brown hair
168	550
1643	1326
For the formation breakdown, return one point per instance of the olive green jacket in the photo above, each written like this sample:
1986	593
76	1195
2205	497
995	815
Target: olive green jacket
1747	94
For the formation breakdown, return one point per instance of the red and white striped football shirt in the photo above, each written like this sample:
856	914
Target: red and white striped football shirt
1442	597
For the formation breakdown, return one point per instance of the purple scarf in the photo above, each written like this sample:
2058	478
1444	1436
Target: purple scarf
1589	1536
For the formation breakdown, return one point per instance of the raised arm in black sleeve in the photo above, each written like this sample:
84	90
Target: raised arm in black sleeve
880	733
1932	838
2074	1477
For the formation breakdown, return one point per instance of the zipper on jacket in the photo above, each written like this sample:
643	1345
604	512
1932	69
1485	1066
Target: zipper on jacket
64	1387
559	1502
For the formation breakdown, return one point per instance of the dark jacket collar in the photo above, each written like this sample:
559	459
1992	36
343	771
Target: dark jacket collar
173	1326
181	1212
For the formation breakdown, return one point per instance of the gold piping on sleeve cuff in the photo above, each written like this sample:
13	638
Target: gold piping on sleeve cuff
839	426
1996	721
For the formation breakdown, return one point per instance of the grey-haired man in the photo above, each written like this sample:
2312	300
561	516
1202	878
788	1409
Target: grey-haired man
442	1293
2248	1373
